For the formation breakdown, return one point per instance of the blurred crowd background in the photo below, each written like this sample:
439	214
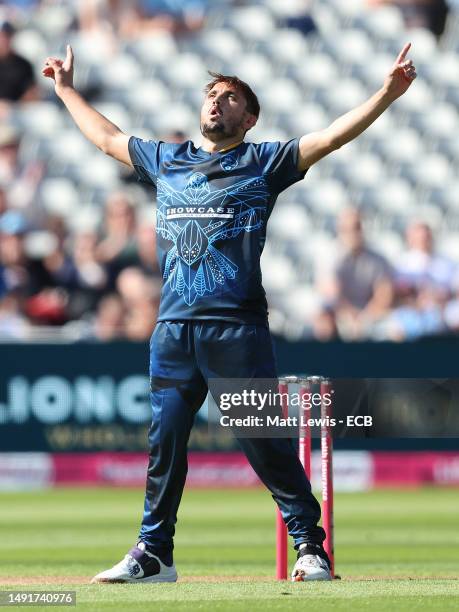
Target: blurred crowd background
366	247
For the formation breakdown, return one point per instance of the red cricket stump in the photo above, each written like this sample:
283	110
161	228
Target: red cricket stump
305	431
281	528
305	451
327	470
281	547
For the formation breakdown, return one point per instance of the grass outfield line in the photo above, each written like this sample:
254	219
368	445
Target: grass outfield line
396	550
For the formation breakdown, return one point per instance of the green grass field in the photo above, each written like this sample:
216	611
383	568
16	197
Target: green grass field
395	550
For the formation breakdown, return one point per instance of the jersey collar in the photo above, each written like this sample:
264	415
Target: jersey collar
204	153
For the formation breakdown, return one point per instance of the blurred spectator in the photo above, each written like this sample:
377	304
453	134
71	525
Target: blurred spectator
109	320
15	264
89	276
298	16
89	271
295	14
324	325
13	324
51	272
118	248
20	181
131	18
35	268
429	14
20	8
140	321
102	15
14	274
17	80
141	298
134	287
361	285
76	280
421	315
105	20
3	202
47	250
420	267
146	250
48	307
451	312
2	282
57	226
28	279
9	147
175	16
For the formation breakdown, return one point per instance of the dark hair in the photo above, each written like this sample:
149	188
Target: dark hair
253	106
7	27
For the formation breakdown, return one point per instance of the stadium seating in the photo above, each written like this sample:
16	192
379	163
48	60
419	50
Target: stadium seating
404	165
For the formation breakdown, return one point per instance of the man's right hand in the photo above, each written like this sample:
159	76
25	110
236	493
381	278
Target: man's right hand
98	129
60	71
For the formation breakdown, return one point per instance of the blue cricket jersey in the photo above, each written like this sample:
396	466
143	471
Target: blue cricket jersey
212	211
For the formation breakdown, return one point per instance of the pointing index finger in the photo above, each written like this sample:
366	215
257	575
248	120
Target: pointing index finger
68	64
403	52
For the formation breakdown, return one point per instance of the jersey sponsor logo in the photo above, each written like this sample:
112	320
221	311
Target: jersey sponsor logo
194	266
199	212
229	162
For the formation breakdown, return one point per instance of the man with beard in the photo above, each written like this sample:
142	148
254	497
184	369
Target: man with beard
213	204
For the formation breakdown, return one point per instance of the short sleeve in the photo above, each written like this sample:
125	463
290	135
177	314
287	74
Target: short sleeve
386	271
28	75
279	163
145	157
2	282
382	270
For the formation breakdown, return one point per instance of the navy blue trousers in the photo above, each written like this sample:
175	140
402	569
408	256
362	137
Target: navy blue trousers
183	356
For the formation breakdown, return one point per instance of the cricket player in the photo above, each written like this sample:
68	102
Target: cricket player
213	204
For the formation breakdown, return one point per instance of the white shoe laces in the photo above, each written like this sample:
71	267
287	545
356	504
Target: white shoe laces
311	561
310	567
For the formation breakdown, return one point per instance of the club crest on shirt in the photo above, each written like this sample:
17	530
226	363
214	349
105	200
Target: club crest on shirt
229	162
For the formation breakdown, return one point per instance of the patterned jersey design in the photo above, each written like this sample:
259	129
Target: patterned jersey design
195	219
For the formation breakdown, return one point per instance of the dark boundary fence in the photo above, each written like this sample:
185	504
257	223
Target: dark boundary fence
120	371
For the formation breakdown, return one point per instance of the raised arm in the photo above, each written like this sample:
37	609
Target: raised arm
97	128
316	145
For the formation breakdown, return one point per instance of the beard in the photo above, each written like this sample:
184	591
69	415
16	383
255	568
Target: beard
217	130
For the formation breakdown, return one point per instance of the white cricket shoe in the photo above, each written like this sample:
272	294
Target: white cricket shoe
138	565
310	566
